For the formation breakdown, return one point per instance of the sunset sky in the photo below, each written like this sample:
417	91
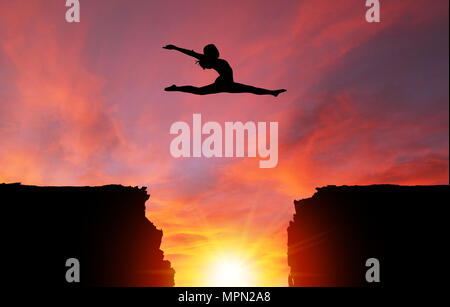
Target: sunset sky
83	104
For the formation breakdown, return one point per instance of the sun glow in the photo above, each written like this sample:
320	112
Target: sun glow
229	272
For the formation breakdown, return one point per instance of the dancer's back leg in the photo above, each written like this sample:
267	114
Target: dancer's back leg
243	88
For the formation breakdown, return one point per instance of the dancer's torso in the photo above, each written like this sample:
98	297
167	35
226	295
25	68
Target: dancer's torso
224	70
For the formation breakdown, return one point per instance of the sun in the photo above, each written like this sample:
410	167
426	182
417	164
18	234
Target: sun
229	272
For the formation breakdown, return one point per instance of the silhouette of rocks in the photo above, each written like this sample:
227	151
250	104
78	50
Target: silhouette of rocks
105	228
335	231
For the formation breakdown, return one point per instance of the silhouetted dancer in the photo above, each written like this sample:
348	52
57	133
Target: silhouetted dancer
224	83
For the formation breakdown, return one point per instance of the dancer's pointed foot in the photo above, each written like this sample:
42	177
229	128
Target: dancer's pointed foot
278	92
171	88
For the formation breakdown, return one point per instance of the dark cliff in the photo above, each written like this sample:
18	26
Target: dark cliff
335	231
105	228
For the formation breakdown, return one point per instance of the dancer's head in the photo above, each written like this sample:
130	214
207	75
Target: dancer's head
211	51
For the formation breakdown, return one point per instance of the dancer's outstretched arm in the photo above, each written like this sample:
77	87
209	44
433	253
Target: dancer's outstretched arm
191	53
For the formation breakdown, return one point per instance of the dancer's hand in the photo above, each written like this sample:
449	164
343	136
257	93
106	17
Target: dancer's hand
169	47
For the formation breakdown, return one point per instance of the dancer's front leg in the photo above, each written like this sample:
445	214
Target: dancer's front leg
204	90
185	89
